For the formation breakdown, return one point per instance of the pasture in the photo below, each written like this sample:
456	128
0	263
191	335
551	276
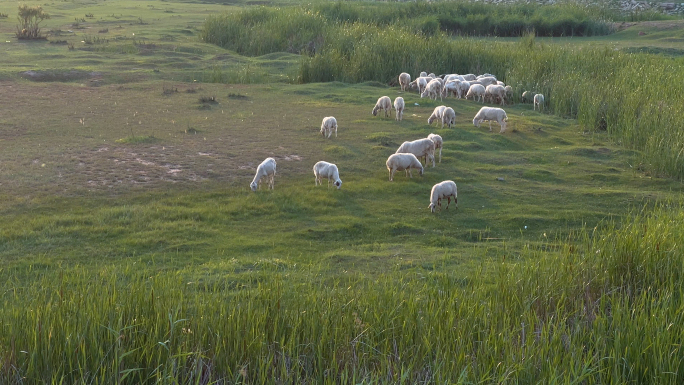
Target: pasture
133	250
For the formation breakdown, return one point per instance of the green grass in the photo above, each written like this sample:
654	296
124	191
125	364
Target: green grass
134	252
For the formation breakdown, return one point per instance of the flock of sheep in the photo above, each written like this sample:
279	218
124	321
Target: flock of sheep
406	158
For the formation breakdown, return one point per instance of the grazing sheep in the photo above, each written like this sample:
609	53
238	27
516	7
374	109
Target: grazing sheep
438	144
509	92
432	75
452	77
527	96
486	75
423	74
433	89
404	81
402	162
487	80
452	87
383	103
267	168
538	101
448	117
436	114
421	83
469	77
328	126
477	91
494	91
491	114
399	108
420	148
464	87
502	84
326	170
446	189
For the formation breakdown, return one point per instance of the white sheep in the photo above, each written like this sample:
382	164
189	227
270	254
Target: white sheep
491	114
465	86
329	171
383	103
509	92
477	91
433	89
423	75
451	77
328	126
486	75
402	162
487	80
538	101
399	108
436	114
420	148
421	83
502	84
469	77
494	91
448	117
267	168
432	75
404	81
446	189
439	143
453	87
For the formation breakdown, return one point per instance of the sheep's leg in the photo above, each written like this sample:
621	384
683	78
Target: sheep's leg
409	172
440	155
448	201
336	131
490	125
392	171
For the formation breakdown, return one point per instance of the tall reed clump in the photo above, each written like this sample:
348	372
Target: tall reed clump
606	307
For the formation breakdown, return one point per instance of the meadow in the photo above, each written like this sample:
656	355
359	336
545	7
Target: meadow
134	252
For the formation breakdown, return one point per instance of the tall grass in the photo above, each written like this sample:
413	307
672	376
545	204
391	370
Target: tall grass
605	307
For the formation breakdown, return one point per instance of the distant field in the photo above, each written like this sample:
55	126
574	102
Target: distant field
133	250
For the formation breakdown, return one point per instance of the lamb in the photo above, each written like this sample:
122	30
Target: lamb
399	108
538	101
477	91
328	126
448	117
436	114
446	189
490	114
423	74
432	75
402	162
438	144
326	170
433	89
404	81
267	168
383	103
495	91
449	78
420	148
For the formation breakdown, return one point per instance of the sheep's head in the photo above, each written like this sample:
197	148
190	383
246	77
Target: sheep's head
253	186
432	207
421	171
338	184
476	122
375	111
